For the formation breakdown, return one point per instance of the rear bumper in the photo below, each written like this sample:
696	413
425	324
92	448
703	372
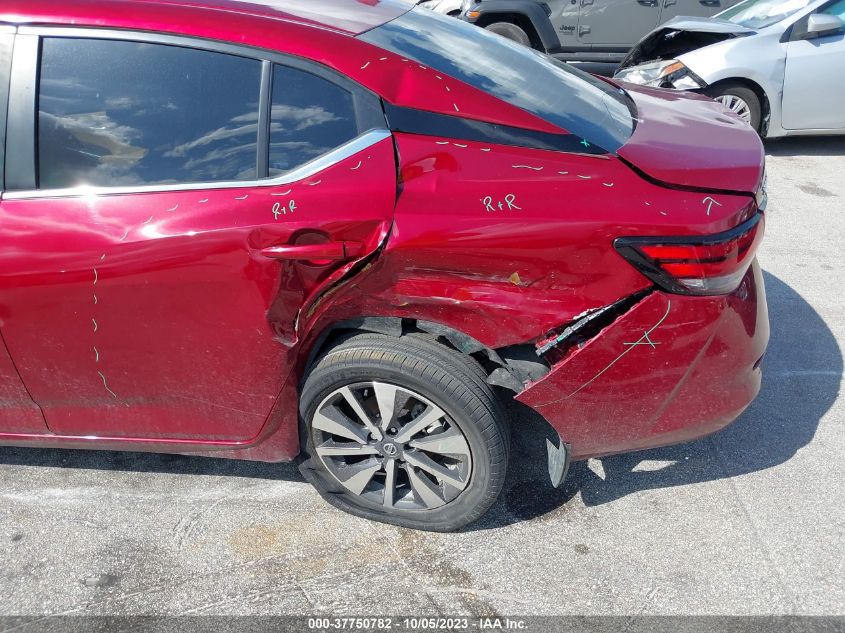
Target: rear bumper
671	369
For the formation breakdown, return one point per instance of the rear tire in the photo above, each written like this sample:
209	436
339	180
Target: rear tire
510	31
740	100
419	469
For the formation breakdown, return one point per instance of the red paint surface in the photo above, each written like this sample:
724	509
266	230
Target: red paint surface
203	341
685	139
619	393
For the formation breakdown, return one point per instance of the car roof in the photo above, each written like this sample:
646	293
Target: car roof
349	16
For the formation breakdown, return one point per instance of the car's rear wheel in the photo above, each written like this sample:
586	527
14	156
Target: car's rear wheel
510	31
403	430
740	100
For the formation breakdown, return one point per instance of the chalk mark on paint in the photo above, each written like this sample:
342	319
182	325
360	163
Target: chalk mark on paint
284	193
607	184
148	220
203	201
94	321
710	202
618	358
243	197
96	355
527	167
125	233
314	184
365	65
173	209
106	385
358	166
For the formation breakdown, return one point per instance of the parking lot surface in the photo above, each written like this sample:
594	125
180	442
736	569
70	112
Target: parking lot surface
748	521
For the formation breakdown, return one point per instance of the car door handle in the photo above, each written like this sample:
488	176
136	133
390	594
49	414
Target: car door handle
710	3
647	3
333	251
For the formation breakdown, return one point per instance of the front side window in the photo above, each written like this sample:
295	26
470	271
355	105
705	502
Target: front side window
117	113
516	74
309	116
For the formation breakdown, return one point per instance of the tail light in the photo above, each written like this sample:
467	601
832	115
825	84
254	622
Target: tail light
700	265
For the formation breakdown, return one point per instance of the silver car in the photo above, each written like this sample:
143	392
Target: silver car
778	64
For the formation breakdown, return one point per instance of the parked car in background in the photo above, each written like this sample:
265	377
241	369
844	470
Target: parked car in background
447	7
778	64
582	30
346	232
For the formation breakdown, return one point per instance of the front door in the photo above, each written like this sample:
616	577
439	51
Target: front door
137	303
814	82
693	8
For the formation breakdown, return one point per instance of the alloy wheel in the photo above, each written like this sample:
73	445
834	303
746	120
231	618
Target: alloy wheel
391	446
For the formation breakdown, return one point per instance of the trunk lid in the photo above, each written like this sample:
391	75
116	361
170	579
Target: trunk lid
687	140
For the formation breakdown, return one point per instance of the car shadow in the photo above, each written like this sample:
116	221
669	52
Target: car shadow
802	371
806	146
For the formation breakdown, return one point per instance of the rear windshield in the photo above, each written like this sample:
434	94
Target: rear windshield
553	90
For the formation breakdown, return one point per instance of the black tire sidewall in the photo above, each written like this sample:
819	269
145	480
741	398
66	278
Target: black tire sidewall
325	380
510	31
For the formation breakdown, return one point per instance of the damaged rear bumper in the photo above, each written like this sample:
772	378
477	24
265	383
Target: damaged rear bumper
670	369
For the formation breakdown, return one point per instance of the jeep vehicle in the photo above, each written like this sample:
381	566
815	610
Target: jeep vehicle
582	30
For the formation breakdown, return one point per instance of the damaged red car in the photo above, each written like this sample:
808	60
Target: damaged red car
344	230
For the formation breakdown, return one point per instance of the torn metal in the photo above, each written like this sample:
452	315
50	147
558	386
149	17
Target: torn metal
590	323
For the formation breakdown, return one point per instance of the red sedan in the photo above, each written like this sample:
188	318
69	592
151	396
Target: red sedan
345	230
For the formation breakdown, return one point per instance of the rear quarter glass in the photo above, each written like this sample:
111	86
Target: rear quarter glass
570	99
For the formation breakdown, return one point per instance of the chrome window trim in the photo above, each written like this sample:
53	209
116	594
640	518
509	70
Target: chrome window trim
337	155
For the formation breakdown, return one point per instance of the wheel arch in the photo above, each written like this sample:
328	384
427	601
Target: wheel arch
511	367
530	16
765	104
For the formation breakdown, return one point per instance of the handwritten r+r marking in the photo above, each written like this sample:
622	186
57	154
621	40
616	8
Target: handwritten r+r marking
509	201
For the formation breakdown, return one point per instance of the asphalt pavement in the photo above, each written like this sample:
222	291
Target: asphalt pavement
748	521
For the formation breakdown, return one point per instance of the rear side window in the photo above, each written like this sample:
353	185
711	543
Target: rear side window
309	116
554	91
117	113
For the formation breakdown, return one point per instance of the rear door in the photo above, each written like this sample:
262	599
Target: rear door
616	23
18	412
179	203
814	82
693	8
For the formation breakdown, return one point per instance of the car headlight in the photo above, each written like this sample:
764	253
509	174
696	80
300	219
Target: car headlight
763	192
663	74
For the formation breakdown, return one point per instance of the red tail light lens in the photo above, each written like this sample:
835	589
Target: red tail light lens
706	265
